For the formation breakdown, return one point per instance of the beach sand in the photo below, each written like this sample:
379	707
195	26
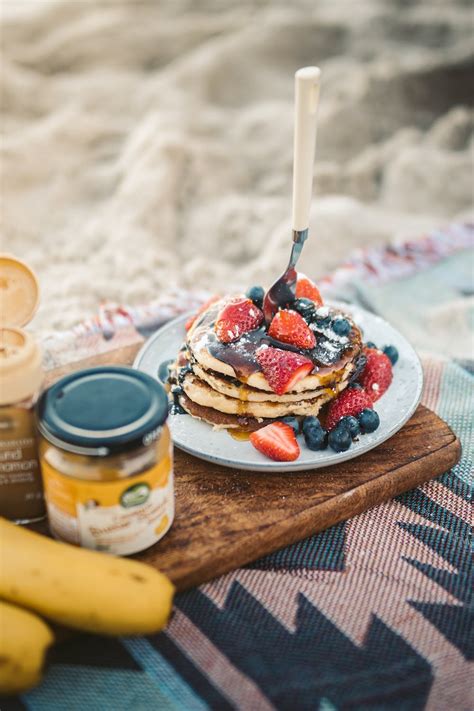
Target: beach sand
150	144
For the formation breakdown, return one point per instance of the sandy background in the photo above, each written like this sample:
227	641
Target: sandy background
150	143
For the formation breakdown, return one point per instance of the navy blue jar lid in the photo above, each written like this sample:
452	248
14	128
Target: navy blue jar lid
101	411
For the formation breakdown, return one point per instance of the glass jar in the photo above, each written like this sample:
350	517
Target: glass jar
106	459
21	375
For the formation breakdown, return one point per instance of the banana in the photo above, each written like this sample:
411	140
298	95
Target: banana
24	639
79	588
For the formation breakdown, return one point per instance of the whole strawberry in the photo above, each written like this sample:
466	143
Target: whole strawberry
288	326
377	373
238	316
282	369
350	402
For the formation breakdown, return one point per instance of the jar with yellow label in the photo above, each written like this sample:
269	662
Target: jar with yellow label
106	459
21	375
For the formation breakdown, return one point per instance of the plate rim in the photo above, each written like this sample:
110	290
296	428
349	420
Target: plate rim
285	467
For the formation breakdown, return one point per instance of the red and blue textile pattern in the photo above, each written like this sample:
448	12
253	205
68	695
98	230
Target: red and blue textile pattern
374	613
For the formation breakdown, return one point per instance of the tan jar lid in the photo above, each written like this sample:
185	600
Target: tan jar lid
20	355
19	292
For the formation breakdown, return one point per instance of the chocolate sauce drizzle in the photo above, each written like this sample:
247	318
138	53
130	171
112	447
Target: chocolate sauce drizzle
241	355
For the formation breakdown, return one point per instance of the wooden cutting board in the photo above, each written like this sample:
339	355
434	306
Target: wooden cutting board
226	518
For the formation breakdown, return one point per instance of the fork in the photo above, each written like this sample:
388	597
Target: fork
307	84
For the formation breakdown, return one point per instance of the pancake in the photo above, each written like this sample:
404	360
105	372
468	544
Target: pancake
201	393
221	420
237	360
233	388
223	384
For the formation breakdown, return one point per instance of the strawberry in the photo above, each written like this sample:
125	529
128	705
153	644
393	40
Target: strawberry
289	326
377	373
350	402
238	316
307	290
276	441
200	311
282	369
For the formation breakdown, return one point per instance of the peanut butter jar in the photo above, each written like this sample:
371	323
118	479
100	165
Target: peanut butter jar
21	375
107	459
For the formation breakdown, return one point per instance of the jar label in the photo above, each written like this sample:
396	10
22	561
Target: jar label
21	489
120	517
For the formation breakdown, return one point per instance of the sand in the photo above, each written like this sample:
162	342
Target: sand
148	144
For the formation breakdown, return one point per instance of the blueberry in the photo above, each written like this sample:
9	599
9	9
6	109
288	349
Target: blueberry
311	422
359	367
322	321
341	326
256	294
164	370
351	424
339	439
370	344
293	422
305	307
392	353
368	420
315	437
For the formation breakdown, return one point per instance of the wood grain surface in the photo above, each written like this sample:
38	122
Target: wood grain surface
226	518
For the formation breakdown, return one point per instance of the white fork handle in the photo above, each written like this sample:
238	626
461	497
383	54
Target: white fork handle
306	109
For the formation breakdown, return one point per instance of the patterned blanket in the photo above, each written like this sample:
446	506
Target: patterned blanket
374	613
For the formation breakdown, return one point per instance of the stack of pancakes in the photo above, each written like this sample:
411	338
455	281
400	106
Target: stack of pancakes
223	383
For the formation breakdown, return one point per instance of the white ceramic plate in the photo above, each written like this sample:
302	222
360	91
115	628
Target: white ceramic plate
198	438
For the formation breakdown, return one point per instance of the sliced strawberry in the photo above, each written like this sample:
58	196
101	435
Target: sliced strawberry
276	441
238	316
200	311
350	402
377	373
282	369
306	289
289	326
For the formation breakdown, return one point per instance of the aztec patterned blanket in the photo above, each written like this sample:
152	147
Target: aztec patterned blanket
374	613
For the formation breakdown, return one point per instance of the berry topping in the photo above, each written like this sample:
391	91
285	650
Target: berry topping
310	421
377	374
350	402
293	422
282	369
322	317
351	424
238	316
256	294
276	441
359	366
370	344
392	353
314	435
305	288
290	327
164	370
305	307
339	439
200	311
368	421
341	327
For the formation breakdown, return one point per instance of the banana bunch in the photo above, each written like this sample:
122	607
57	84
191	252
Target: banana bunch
70	586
